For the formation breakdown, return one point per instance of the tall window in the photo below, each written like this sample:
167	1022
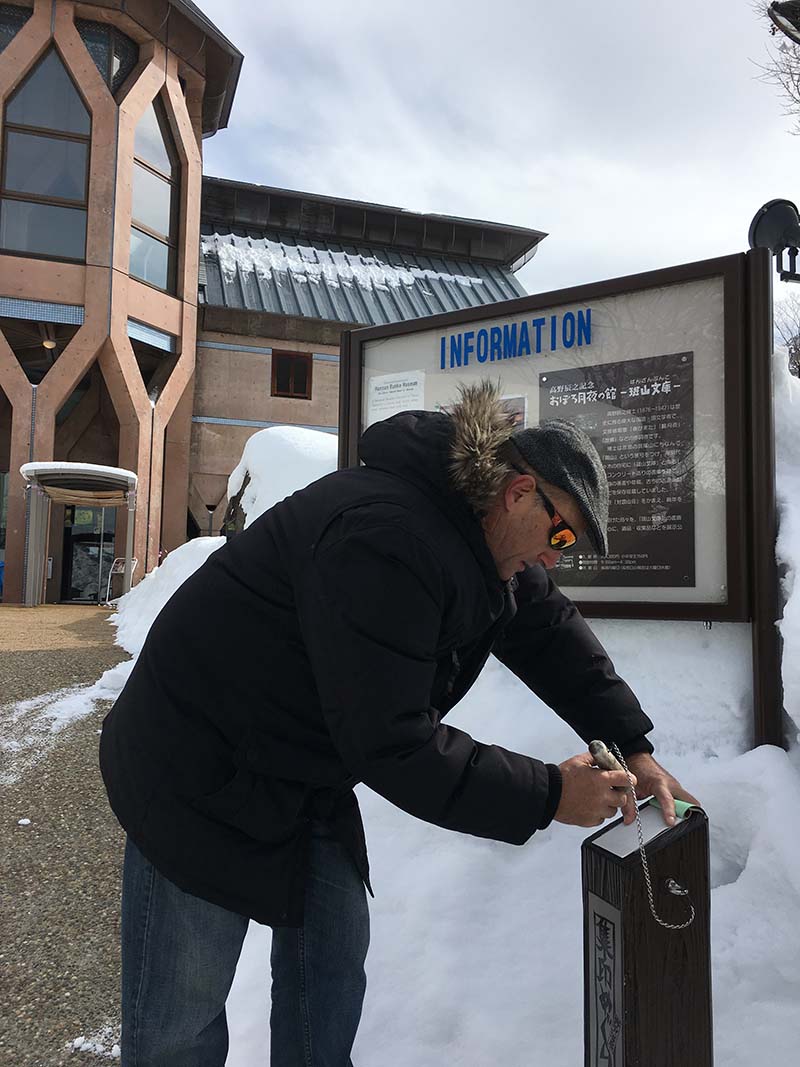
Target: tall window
154	230
46	138
291	374
12	19
114	54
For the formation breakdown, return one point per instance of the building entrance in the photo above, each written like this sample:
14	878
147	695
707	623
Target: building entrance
88	553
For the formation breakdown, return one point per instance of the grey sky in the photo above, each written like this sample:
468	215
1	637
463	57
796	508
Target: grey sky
637	135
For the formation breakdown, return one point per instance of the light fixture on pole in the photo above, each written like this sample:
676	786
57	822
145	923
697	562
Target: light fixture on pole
776	226
786	18
211	508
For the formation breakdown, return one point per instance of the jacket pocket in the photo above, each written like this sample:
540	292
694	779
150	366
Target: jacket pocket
230	799
263	808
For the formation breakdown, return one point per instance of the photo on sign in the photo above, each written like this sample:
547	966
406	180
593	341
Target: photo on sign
517	407
640	415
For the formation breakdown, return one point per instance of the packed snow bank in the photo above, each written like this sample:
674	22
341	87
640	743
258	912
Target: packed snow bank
476	951
278	461
137	610
787	463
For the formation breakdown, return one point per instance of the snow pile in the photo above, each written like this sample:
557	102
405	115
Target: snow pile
481	943
137	610
787	459
278	461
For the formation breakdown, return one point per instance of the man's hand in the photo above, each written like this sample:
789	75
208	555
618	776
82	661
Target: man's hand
589	795
654	780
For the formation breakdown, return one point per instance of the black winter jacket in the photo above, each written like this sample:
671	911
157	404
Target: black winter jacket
322	647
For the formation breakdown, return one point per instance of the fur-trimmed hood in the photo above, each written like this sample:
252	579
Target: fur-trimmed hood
453	455
481	426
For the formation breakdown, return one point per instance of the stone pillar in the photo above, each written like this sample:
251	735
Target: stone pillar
20	453
176	471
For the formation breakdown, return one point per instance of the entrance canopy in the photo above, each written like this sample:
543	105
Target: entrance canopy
83	484
89	484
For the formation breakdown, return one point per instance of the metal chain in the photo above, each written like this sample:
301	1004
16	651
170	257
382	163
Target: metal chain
645	867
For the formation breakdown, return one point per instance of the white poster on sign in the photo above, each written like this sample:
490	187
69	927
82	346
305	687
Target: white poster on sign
389	394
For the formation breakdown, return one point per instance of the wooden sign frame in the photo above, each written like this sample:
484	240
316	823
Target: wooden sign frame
753	593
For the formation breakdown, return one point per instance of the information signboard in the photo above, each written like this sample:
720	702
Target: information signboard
652	368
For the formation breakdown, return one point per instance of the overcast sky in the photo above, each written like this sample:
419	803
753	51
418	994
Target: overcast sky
637	135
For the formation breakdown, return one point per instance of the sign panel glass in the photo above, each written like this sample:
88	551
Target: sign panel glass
644	374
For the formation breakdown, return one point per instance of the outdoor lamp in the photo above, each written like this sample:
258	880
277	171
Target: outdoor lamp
48	336
786	18
776	226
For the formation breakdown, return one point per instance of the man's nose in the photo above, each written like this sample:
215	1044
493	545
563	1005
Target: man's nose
549	558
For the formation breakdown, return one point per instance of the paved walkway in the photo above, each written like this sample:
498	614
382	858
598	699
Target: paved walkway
59	874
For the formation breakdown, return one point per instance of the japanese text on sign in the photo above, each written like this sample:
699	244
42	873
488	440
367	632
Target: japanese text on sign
640	416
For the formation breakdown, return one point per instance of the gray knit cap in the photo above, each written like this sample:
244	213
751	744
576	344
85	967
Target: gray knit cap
564	456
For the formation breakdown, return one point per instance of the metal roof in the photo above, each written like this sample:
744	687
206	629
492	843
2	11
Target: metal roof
244	207
281	273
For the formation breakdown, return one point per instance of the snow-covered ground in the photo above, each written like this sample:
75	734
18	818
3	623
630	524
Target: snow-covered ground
476	955
29	727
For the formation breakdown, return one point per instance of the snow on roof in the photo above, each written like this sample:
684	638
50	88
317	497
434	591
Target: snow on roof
36	472
316	278
338	268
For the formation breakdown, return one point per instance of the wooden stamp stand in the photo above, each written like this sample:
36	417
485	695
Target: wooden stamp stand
647	989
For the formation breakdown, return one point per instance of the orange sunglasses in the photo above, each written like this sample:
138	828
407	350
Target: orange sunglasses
561	533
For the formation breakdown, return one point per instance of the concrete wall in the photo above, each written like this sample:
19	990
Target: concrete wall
233	384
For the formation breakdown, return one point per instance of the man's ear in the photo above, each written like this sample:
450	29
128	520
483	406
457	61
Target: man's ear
520	488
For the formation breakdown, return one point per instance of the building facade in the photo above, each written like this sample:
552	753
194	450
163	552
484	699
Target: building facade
282	273
104	107
153	320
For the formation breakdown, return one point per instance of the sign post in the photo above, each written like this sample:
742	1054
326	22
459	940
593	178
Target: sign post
647	988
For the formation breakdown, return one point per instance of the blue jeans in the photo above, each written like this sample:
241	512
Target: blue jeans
179	956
